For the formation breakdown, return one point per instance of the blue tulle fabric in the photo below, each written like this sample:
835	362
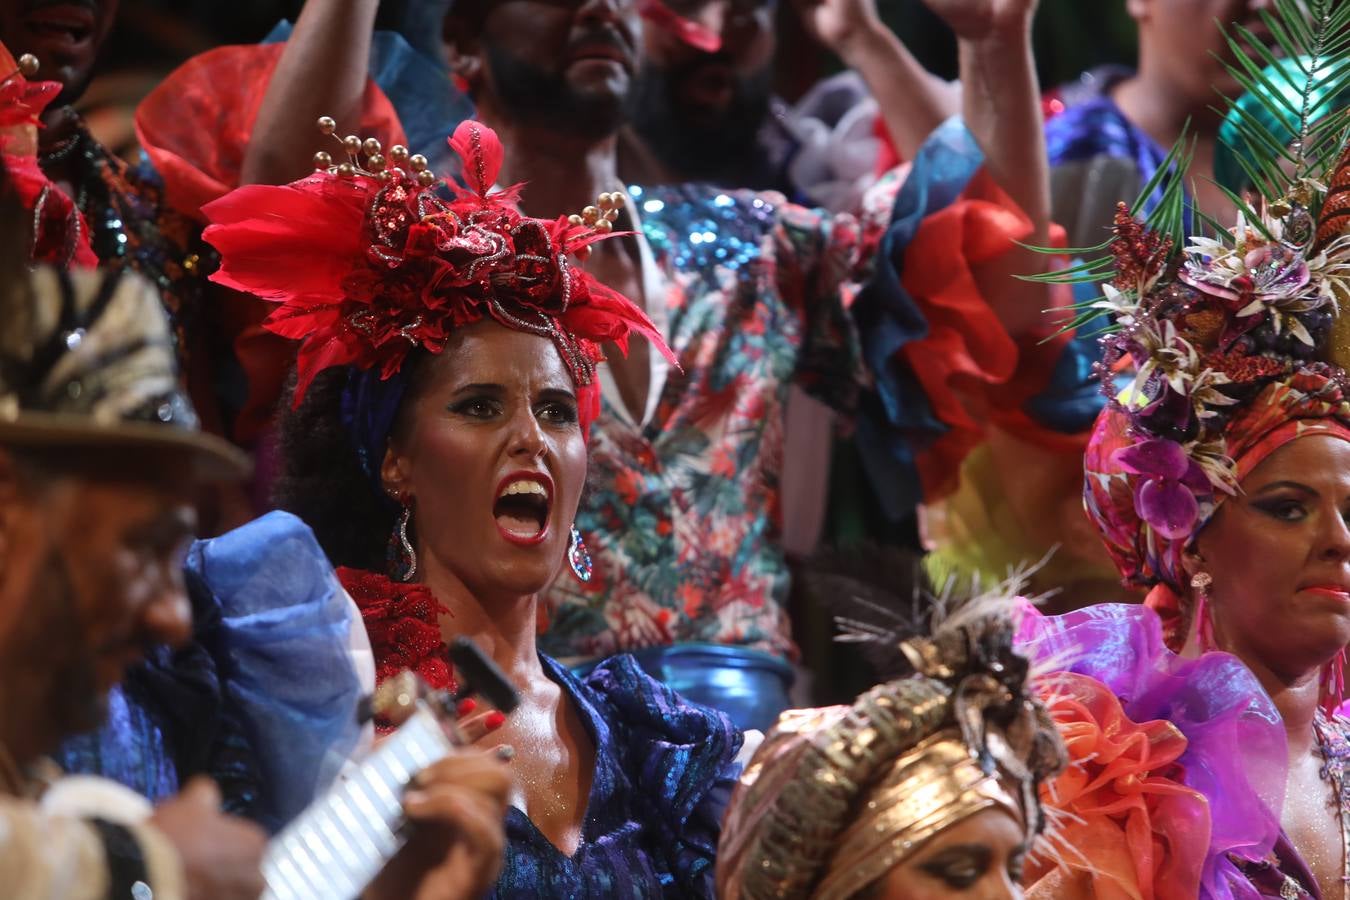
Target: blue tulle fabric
169	721
284	651
1236	754
664	771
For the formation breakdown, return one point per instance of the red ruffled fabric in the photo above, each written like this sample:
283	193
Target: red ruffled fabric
968	364
1148	832
197	142
403	621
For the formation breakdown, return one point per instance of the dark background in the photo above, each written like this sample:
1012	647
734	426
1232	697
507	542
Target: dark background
154	36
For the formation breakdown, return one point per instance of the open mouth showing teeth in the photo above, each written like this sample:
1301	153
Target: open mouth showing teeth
522	508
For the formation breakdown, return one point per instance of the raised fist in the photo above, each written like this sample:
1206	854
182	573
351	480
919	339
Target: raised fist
976	19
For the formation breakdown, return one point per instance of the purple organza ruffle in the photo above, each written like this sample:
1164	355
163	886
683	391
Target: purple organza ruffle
1236	754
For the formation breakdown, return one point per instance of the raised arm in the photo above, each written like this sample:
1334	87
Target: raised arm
1001	104
322	72
912	100
1000	97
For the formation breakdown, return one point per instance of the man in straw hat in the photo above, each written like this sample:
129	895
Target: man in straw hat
100	459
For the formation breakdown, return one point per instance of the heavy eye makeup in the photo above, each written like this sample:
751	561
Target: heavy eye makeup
485	402
557	407
960	867
1284	501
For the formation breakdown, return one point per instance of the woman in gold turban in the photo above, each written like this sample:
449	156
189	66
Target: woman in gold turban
926	786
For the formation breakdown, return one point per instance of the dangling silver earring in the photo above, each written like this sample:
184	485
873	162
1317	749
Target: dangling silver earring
409	555
579	558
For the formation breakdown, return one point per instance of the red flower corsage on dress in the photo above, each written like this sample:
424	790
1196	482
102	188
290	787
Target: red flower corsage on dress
403	621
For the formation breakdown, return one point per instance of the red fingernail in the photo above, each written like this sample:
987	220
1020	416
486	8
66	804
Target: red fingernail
466	707
494	721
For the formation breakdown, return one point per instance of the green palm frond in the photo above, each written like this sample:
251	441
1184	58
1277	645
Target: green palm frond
1291	121
1288	127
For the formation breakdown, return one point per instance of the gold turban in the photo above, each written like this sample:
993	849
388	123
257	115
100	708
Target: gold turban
836	797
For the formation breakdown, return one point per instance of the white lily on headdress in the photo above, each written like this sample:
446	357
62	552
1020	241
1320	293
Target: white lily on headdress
1122	306
1158	349
1212	457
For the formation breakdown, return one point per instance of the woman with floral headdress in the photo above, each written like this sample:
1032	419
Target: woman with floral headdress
445	384
1211	759
925	787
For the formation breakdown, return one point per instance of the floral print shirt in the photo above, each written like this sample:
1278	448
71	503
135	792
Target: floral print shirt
682	511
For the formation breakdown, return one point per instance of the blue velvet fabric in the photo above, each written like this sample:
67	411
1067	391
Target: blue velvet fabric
664	771
284	652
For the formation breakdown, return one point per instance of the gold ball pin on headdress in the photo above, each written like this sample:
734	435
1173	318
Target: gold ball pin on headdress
28	66
599	217
367	157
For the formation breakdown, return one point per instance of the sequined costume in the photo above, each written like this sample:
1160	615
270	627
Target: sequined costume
465	254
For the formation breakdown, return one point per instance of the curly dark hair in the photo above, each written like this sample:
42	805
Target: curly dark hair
322	481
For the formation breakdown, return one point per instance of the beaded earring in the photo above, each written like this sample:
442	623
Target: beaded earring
579	558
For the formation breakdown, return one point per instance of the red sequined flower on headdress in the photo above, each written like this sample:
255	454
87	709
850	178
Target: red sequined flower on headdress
372	260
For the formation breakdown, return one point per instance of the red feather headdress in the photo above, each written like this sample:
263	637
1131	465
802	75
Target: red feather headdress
370	260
